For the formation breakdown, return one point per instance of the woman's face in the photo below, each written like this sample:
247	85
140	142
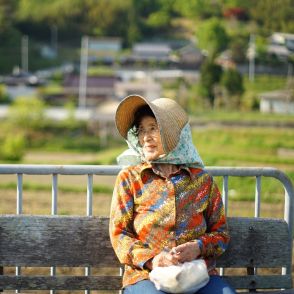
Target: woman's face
149	138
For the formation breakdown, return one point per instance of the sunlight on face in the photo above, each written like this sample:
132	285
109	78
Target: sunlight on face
149	138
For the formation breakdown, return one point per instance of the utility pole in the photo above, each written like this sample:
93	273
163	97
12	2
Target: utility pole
25	53
83	72
289	74
54	40
251	56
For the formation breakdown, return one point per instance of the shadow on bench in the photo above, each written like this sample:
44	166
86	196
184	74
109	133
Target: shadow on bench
72	241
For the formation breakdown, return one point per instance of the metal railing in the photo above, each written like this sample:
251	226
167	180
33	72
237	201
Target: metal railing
91	170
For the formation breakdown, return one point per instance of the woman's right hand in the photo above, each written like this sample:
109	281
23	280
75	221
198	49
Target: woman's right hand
164	258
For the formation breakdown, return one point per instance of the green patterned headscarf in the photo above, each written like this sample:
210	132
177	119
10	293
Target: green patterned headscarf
185	152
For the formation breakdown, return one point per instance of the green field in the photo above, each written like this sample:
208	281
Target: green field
255	147
218	146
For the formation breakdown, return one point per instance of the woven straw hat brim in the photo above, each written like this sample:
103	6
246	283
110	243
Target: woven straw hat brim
170	117
125	112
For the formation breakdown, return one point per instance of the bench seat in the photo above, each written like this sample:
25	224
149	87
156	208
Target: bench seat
79	241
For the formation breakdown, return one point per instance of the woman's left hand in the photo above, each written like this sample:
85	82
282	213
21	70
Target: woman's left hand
186	252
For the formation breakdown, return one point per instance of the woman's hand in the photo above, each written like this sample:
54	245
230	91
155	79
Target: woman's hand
186	252
164	258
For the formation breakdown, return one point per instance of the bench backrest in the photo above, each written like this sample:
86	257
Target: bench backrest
67	241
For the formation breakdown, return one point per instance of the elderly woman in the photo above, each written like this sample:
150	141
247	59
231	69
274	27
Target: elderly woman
166	209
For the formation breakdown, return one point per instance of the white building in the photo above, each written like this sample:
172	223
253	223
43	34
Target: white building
144	86
281	101
151	51
281	45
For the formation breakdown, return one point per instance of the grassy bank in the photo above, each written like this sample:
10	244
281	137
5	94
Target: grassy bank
243	117
246	146
217	145
257	147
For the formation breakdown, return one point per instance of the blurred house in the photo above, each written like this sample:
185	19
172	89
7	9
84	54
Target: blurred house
104	50
281	101
225	60
20	77
190	57
99	88
281	45
146	87
149	53
48	52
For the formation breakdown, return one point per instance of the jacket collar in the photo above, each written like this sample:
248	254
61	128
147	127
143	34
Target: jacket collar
147	166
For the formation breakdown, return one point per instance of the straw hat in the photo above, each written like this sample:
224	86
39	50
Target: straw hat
170	117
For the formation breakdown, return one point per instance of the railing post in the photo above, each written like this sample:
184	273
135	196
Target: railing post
288	216
225	195
225	192
89	213
1	274
19	211
257	196
54	212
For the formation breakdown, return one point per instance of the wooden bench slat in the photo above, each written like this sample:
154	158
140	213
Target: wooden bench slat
287	291
55	241
260	282
60	282
84	241
257	242
114	282
77	241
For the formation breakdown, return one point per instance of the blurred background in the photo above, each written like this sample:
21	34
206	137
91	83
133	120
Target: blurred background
66	64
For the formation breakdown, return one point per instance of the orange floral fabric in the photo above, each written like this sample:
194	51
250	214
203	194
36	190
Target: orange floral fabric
150	213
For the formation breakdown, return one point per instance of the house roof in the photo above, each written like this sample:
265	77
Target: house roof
92	81
105	44
156	48
139	84
282	95
281	37
190	48
151	51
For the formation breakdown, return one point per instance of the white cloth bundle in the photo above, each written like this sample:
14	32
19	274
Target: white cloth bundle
187	277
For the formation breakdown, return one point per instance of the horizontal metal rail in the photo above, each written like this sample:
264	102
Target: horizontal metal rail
20	169
113	170
38	169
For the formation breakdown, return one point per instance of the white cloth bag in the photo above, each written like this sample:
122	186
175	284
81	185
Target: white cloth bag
187	277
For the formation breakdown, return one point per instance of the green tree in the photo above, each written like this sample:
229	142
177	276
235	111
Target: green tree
107	17
162	16
212	37
4	98
48	11
7	14
27	113
237	3
153	16
13	147
274	15
238	47
232	89
129	19
210	75
232	81
198	8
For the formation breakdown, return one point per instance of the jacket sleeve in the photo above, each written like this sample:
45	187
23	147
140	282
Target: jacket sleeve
216	239
128	248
